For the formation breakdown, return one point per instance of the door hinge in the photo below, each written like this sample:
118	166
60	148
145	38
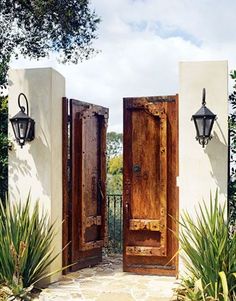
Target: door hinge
162	99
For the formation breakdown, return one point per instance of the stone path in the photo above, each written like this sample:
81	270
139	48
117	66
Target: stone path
107	282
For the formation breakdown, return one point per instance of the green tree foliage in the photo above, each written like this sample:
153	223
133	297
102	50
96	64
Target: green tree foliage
3	147
114	187
114	144
34	28
115	175
232	142
114	163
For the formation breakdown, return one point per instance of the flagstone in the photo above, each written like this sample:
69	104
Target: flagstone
107	282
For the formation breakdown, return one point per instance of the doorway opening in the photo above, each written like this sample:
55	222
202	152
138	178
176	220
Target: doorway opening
100	214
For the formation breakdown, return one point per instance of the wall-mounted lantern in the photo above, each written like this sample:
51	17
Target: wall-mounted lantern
22	124
203	120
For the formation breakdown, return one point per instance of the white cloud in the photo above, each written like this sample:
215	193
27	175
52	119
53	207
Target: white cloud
141	43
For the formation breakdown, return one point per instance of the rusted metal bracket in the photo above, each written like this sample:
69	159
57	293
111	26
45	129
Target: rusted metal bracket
147	106
146	224
144	251
92	245
93	220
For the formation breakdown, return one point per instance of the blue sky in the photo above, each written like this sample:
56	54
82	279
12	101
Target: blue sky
141	43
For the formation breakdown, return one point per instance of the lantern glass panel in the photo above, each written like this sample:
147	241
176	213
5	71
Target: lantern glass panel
208	126
30	130
23	128
15	128
200	126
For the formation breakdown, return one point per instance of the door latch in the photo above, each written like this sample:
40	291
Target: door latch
136	168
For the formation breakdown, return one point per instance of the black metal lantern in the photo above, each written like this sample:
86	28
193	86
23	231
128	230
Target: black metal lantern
203	120
22	124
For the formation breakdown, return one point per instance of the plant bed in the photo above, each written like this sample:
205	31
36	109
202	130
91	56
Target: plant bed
25	249
209	254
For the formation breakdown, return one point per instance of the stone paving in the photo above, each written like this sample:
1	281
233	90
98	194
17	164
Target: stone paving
107	282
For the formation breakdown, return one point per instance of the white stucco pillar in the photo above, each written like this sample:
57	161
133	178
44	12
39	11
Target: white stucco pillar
202	170
37	167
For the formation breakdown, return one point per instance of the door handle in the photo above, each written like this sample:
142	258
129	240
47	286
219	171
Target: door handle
136	168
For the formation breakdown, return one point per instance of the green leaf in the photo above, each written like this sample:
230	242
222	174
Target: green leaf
224	285
209	251
26	245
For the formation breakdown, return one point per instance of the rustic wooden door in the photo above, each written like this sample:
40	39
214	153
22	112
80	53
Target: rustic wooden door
150	196
84	174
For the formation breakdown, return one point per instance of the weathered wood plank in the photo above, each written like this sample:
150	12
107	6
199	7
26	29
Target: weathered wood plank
163	180
150	192
65	187
88	168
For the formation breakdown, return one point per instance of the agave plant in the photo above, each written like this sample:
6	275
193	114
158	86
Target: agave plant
25	246
209	250
188	290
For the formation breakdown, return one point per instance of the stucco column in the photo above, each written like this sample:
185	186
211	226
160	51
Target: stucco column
37	167
202	170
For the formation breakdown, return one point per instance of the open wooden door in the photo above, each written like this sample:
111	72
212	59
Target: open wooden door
150	194
84	174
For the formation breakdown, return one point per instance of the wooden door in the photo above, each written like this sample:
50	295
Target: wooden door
84	176
150	196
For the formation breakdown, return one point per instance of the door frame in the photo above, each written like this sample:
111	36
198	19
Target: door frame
66	193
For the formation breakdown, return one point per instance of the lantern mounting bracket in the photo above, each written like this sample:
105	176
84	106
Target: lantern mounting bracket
22	107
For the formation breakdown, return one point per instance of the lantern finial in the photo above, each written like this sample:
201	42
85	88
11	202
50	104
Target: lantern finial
204	97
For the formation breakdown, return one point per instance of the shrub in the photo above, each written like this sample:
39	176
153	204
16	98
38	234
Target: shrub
3	147
25	247
209	253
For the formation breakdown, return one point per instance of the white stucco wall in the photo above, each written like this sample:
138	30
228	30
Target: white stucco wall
37	167
202	170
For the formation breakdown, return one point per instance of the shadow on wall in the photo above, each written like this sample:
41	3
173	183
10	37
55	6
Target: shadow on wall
16	168
33	166
219	175
40	149
21	167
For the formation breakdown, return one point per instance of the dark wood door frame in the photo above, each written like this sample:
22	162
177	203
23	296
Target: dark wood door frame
84	176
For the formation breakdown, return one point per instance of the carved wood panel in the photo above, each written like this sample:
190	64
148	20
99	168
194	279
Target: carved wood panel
150	192
86	201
